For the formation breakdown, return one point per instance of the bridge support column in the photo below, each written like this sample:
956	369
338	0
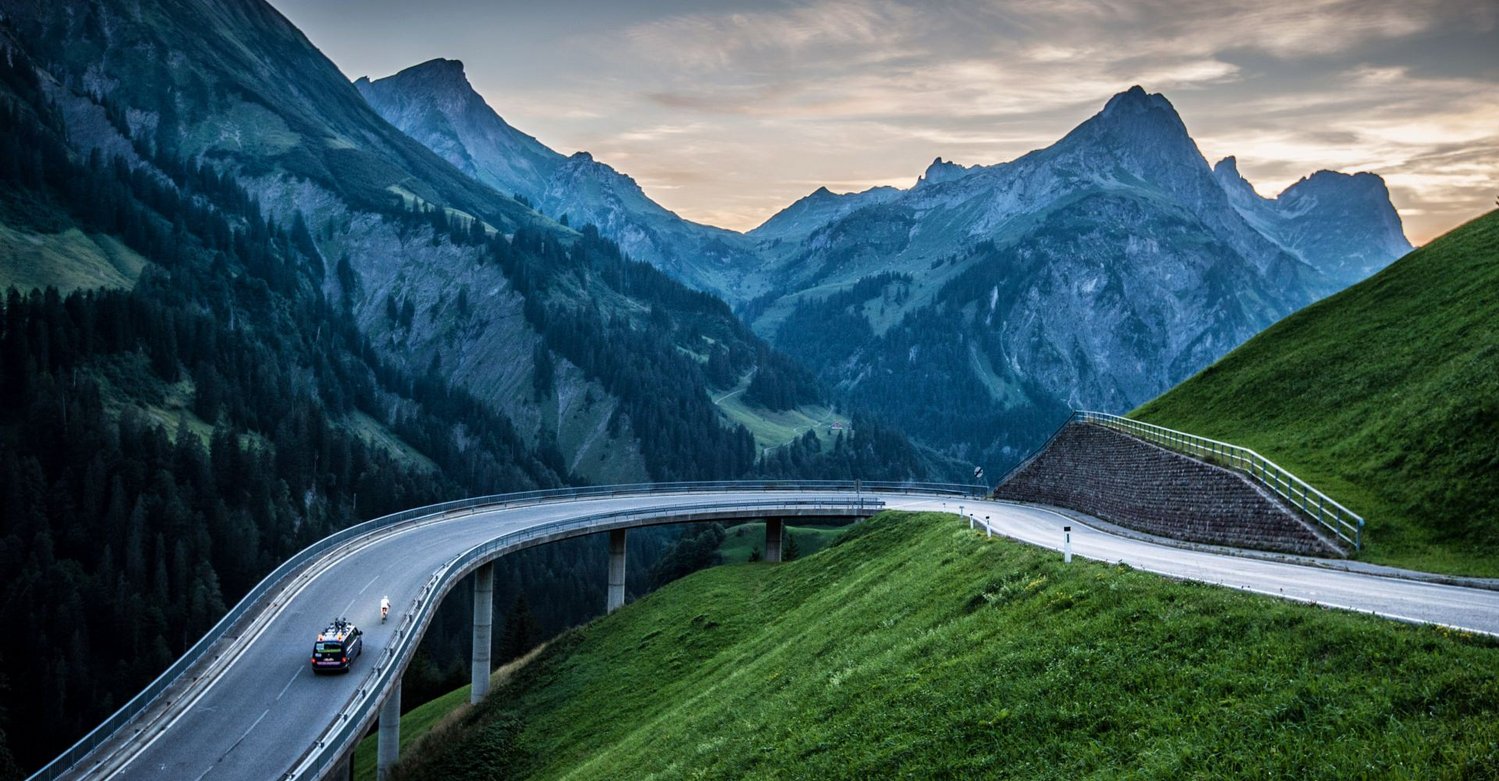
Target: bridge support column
773	536
388	745
616	570
483	627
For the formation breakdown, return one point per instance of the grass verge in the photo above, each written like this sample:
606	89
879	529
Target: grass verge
916	648
1386	396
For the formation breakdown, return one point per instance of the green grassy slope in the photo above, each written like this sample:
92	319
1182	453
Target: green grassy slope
746	537
916	648
67	260
1386	396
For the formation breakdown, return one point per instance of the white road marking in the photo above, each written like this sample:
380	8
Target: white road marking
235	745
294	677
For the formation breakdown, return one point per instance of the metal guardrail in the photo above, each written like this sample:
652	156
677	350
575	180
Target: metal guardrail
1346	524
354	720
255	598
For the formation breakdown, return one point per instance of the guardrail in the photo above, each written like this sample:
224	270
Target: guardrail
1320	507
354	720
253	600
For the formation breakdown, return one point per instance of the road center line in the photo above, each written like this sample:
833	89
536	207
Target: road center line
293	680
235	745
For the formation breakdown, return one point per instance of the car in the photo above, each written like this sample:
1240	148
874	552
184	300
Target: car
336	647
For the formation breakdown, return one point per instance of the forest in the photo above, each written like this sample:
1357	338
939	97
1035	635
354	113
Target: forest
954	405
163	447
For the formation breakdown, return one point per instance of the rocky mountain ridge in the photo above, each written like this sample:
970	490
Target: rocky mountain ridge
1093	272
434	103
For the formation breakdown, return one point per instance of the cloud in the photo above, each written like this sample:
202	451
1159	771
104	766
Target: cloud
763	100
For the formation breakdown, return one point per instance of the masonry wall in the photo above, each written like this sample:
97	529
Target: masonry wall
1140	486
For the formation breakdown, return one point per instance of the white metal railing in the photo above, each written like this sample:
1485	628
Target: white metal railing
357	715
1346	524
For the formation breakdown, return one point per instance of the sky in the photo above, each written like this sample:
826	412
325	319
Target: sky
726	111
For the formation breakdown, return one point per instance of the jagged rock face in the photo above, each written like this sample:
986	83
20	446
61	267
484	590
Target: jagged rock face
942	171
1113	263
434	103
1343	225
235	83
1096	272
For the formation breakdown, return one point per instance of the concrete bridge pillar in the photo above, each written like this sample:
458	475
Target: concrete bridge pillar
483	628
388	745
773	529
616	570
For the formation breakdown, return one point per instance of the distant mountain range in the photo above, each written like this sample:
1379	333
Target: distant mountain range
974	307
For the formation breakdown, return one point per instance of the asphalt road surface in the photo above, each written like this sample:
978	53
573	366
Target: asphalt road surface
262	708
1471	609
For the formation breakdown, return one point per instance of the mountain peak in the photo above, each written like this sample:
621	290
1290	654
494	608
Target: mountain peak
436	75
941	171
438	65
1136	100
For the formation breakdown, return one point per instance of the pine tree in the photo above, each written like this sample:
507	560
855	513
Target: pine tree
521	631
790	552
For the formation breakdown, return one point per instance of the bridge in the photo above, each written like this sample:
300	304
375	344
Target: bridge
243	702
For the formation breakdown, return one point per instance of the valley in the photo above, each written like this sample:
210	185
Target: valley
278	305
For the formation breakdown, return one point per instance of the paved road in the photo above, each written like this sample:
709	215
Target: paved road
258	717
1471	609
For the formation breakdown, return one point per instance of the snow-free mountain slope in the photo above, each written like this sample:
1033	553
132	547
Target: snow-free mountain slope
435	104
1341	224
979	304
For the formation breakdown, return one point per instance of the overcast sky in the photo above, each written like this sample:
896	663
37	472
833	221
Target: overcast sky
726	111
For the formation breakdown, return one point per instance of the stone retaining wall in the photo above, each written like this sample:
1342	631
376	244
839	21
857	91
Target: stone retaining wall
1138	485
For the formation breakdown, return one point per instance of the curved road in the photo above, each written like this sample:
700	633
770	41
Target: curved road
256	710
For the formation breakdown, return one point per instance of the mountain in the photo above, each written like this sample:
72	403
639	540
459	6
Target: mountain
797	221
249	311
1340	224
434	103
168	438
435	97
593	355
1383	395
975	307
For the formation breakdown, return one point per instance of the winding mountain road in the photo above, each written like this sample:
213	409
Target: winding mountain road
252	709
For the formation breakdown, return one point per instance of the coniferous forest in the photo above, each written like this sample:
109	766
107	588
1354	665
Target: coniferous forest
126	528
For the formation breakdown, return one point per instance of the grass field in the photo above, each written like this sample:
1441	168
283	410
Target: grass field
1386	396
915	648
70	260
746	537
420	721
776	428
